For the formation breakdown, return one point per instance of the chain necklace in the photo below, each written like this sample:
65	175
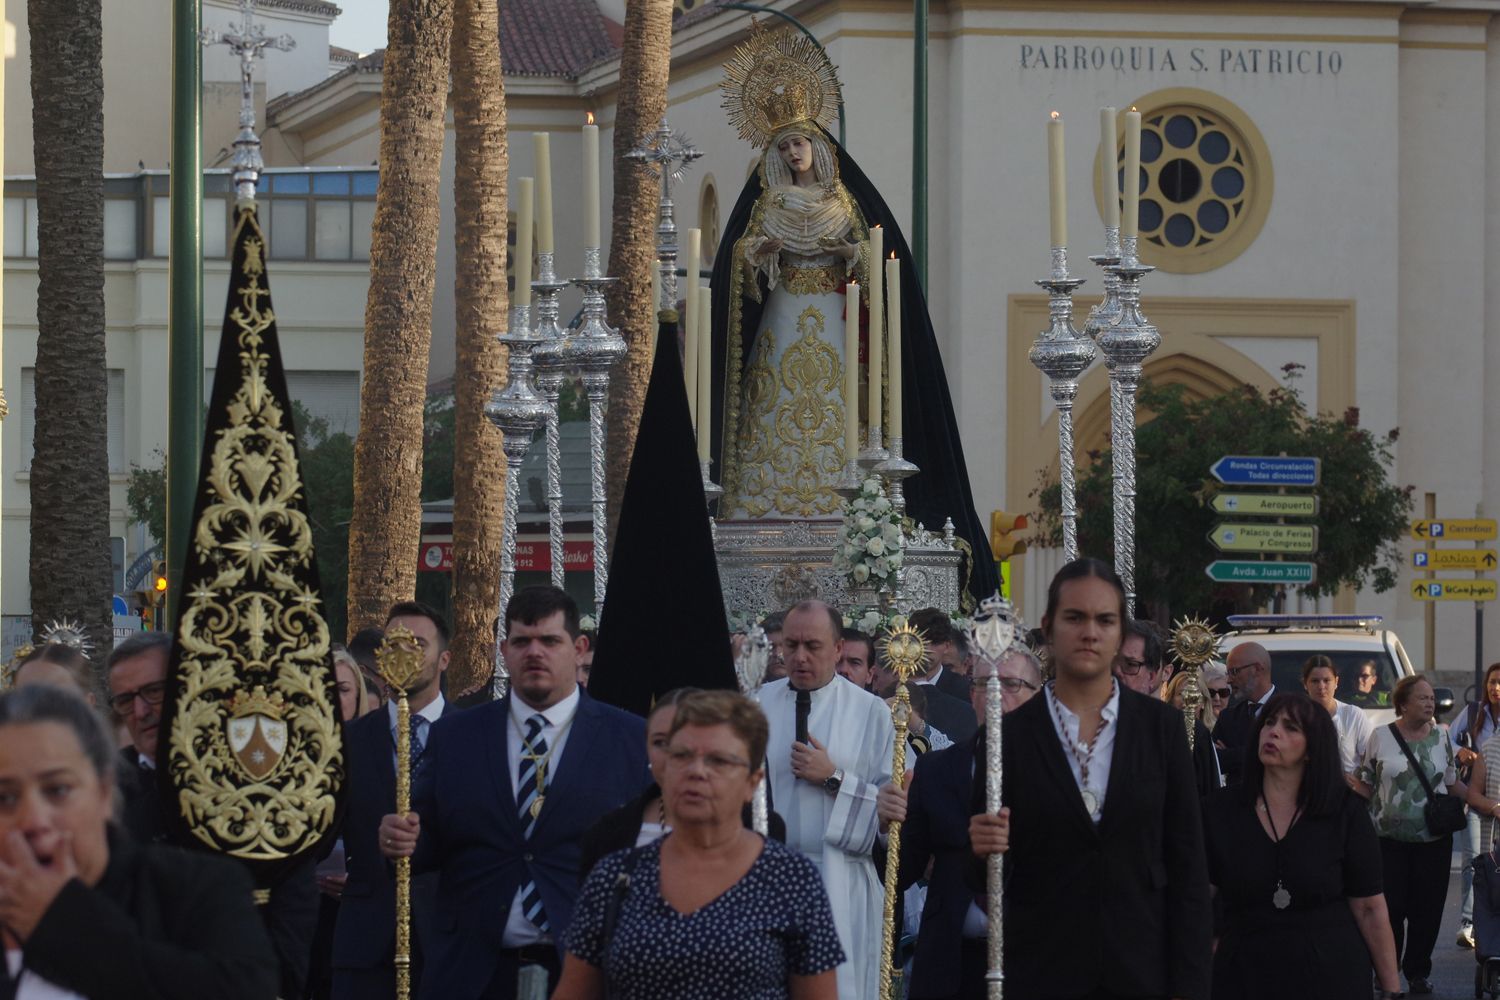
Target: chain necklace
541	760
1085	755
1281	898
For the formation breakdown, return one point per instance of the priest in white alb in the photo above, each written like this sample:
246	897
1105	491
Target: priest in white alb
825	784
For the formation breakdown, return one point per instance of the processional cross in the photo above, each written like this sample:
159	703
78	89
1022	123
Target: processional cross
669	153
247	40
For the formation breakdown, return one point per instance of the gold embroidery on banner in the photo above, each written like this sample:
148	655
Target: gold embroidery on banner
254	748
812	280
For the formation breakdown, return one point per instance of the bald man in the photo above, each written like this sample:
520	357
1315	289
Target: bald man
1249	667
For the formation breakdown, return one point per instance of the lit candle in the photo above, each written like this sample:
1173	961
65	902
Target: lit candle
690	320
875	415
705	369
1057	190
851	372
524	227
893	336
1109	145
543	191
591	183
1131	216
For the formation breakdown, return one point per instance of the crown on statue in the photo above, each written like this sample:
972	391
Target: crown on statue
778	80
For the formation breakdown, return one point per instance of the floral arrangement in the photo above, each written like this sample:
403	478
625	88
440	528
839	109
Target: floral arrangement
873	621
872	548
588	623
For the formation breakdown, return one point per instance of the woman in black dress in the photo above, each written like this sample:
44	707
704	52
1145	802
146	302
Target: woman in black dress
1294	856
712	910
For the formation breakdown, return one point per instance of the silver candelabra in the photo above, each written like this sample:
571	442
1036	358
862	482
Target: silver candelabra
1062	353
1126	344
1107	309
519	412
552	367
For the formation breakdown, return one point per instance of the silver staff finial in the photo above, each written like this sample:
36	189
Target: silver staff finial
669	153
247	40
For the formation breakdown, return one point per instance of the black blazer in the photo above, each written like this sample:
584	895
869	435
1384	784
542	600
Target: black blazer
365	935
1123	906
954	686
938	808
472	833
620	829
162	924
950	716
1233	730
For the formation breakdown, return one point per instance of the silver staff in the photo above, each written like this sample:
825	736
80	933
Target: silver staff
1062	353
750	667
551	372
519	413
669	153
1126	344
593	349
248	41
993	632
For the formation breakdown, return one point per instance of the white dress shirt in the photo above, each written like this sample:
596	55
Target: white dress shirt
1354	728
33	986
1104	744
519	931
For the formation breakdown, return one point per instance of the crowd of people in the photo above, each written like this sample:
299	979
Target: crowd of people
563	847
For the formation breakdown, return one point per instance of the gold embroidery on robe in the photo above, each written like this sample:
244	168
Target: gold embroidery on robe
812	280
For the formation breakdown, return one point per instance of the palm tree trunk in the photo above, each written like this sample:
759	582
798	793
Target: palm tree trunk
386	526
70	564
481	163
645	61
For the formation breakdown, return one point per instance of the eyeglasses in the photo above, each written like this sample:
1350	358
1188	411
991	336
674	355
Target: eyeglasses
152	694
1218	692
718	765
1367	677
1130	667
1236	671
1014	684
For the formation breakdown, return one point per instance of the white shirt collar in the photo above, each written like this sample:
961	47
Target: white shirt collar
1267	696
1110	711
432	711
930	680
557	716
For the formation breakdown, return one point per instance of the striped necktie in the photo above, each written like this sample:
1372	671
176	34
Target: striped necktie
531	791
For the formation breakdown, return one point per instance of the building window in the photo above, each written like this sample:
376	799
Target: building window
1205	180
20	227
115	420
330	396
120	229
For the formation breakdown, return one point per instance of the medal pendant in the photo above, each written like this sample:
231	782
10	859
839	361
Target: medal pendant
1281	899
536	807
1090	802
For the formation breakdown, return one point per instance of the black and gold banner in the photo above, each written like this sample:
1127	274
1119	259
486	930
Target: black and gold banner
252	762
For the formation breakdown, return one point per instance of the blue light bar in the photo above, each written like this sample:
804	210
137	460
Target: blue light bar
1304	621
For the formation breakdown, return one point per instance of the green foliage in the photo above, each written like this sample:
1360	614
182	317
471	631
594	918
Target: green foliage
146	495
1361	517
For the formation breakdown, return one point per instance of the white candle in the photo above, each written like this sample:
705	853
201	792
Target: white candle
876	416
851	372
893	325
543	142
1131	216
690	320
1109	153
525	225
705	370
1057	192
591	184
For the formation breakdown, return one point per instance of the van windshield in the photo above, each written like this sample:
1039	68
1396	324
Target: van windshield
1366	677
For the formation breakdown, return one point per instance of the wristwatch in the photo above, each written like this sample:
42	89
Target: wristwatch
834	781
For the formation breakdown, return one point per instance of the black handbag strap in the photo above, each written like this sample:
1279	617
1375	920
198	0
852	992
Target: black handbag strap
1421	774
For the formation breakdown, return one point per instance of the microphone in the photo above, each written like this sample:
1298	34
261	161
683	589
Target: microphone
804	706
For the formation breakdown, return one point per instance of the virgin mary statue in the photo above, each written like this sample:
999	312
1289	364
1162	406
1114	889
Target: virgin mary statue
796	238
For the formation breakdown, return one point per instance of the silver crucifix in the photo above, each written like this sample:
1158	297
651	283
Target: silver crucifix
247	40
669	153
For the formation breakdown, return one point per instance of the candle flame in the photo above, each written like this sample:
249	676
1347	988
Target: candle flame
893	255
1056	116
1134	108
591	118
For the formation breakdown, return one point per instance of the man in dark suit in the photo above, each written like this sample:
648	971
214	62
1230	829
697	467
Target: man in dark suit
364	938
947	788
504	801
136	674
937	628
1142	667
1249	667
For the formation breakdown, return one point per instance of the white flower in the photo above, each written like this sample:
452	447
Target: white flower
861	573
882	506
892	534
871	485
870	622
852	550
587	623
898	621
865	523
882	567
875	546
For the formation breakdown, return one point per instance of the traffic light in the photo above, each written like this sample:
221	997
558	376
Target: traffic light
1003	540
158	583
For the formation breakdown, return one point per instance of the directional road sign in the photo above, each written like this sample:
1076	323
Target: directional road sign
1267	470
1478	560
1267	504
1453	590
1249	571
1455	529
1251	537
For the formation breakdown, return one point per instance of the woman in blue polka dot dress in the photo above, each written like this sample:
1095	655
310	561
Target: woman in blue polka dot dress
713	910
